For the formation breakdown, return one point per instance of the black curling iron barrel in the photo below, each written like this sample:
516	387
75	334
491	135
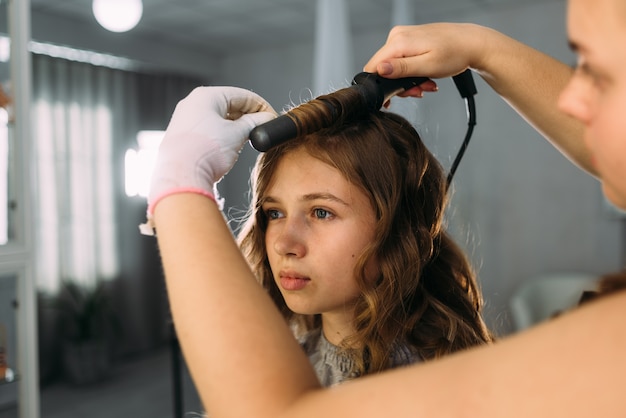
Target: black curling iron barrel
376	91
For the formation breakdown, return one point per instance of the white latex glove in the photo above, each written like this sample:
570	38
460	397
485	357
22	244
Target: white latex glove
203	140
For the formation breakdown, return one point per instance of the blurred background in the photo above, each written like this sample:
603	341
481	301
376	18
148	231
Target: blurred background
84	106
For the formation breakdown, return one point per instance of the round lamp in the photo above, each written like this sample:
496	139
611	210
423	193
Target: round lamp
117	15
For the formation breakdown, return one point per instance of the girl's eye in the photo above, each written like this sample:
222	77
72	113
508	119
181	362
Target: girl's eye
322	213
273	214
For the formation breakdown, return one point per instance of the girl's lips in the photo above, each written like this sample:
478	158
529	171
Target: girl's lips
293	282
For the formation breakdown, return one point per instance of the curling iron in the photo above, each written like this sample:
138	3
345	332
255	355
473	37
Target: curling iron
376	91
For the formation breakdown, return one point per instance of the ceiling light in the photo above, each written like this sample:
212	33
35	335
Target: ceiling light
117	15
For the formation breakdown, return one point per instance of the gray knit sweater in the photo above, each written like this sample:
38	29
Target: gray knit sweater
333	366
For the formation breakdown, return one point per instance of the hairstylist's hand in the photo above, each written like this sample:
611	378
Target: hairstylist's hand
434	50
203	140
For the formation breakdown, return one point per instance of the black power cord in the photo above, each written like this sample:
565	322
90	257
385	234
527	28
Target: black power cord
465	84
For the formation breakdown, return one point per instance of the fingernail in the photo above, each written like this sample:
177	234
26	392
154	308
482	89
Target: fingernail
385	68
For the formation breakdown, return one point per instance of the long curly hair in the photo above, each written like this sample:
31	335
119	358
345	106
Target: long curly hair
426	294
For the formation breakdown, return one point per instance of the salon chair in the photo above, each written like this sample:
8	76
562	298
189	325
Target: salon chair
542	297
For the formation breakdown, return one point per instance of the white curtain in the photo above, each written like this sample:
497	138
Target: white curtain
403	13
85	118
333	66
74	110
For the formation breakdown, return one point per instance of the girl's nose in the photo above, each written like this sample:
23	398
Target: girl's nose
289	238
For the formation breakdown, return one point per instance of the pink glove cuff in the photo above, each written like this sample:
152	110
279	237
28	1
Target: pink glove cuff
195	190
148	227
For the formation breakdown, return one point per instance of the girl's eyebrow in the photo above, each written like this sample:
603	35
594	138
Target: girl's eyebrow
309	197
267	199
324	196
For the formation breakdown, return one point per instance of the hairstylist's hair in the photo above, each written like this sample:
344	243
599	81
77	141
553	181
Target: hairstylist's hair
426	293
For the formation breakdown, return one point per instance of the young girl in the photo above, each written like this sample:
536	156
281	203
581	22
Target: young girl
346	233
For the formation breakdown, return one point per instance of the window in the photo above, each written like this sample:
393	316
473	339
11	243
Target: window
140	163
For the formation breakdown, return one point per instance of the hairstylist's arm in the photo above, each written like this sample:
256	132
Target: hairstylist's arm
228	327
529	80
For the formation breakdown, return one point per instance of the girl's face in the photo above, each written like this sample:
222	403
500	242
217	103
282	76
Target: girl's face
596	94
318	226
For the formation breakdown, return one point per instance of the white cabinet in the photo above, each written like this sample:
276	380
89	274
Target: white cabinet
8	342
17	283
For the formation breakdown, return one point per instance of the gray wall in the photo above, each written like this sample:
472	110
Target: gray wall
519	207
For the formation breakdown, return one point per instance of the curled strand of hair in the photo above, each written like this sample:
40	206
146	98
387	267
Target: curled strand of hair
327	110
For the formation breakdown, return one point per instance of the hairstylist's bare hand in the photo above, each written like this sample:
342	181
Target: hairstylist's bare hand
203	140
434	50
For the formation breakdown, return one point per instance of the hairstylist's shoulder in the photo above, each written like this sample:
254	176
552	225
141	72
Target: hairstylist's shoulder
587	343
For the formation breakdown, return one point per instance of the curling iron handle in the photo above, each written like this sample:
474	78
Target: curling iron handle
378	90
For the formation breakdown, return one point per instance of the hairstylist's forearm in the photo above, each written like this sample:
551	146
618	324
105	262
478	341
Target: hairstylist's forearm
243	358
531	82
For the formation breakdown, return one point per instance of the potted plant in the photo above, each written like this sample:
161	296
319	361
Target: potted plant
87	323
